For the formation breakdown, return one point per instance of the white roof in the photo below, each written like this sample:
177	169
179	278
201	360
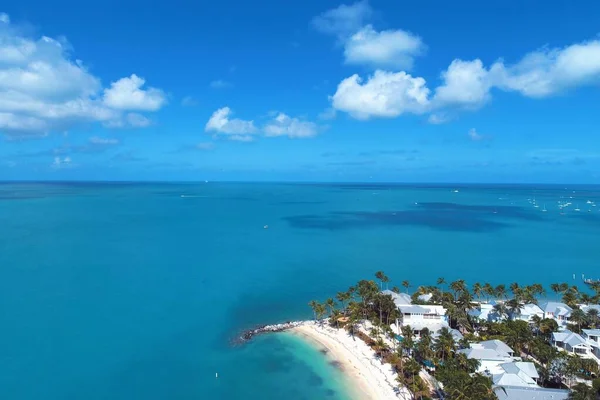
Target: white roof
399	298
572	339
592	332
527	368
495	344
484	354
529	393
556	308
531	309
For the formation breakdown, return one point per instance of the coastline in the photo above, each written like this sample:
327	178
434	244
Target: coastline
369	377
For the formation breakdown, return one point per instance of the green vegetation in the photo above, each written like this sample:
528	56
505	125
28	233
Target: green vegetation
365	305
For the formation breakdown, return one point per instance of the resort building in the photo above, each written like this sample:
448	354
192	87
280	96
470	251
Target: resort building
485	312
517	373
593	338
491	354
418	317
527	312
572	343
560	312
529	393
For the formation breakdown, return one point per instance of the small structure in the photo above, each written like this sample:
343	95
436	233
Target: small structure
572	343
560	312
592	336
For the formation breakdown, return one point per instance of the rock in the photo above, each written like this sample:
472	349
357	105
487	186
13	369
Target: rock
250	333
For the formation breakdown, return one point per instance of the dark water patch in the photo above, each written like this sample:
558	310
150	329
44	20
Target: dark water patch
299	202
9	197
502	211
315	380
586	216
330	393
443	220
336	364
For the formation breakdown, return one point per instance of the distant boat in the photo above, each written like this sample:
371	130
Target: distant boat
544	209
266	227
577	209
455	191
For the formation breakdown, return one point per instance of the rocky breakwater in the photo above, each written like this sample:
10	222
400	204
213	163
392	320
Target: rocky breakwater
247	335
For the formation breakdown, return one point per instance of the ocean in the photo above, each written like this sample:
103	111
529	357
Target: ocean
137	290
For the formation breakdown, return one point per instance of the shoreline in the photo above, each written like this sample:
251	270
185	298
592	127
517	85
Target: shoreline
370	378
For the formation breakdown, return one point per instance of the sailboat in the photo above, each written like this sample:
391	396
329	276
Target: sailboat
544	209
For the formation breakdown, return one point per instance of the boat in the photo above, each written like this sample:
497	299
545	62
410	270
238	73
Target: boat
544	209
589	281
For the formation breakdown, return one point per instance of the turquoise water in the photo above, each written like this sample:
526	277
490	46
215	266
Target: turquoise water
126	291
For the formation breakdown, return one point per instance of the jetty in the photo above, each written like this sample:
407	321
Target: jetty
247	335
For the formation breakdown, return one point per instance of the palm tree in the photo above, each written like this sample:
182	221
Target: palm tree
593	318
330	304
315	306
441	282
382	278
343	297
501	309
555	288
500	291
458	287
477	290
406	285
489	291
581	391
396	289
579	317
444	344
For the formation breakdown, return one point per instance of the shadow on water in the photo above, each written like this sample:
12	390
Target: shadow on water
440	216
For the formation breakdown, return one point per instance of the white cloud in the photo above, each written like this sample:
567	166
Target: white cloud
549	71
384	94
189	101
220	84
127	94
466	84
221	123
129	120
61	162
391	48
103	141
43	89
344	20
242	138
474	136
284	125
328	114
205	146
4	18
438	118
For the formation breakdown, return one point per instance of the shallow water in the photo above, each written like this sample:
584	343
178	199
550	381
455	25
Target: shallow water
128	291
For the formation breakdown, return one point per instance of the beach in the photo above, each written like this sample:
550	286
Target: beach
371	379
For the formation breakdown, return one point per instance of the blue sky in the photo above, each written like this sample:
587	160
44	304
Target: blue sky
313	91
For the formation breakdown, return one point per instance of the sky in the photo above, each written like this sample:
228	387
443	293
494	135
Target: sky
383	91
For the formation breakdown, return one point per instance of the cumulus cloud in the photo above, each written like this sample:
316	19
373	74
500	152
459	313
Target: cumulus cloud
466	84
384	94
43	89
362	43
470	84
128	94
391	48
279	124
222	123
329	113
284	125
344	20
474	136
61	162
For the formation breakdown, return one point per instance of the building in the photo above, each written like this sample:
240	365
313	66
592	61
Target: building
592	336
527	312
572	343
418	317
485	312
560	312
491	354
516	373
529	393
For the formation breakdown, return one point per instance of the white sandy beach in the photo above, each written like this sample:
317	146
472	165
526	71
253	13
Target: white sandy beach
373	380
